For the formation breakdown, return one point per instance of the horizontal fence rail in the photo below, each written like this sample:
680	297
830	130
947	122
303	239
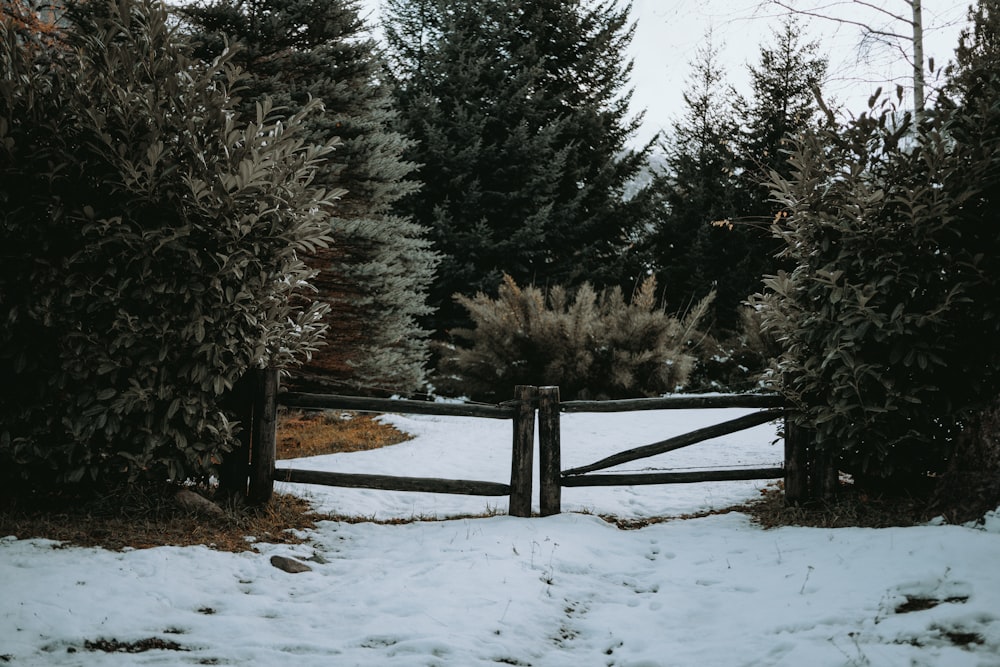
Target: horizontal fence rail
403	406
693	402
553	480
392	483
636	479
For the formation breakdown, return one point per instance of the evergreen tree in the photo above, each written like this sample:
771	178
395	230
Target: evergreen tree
782	104
698	187
973	77
716	208
522	123
376	273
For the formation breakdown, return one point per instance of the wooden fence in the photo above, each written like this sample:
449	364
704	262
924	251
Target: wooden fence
520	411
553	479
252	466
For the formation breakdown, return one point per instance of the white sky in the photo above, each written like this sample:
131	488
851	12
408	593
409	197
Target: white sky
669	31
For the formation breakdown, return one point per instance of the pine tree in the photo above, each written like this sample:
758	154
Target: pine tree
376	273
973	77
698	187
522	124
782	104
716	209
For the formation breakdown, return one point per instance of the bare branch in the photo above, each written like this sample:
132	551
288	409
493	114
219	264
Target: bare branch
859	24
894	17
849	3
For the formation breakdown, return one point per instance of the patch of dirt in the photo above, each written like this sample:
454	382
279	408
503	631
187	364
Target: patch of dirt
141	646
959	638
913	604
922	603
631	523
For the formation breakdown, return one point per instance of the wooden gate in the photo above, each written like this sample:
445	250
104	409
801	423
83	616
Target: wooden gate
805	474
553	478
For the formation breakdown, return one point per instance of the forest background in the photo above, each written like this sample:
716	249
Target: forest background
473	211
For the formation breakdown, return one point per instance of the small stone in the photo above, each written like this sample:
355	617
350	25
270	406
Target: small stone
191	501
289	565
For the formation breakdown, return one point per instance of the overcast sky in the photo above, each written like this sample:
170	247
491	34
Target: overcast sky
669	31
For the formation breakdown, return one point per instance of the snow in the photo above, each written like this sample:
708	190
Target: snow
569	590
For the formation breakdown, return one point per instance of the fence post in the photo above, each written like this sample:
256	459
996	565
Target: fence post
824	474
263	442
234	469
523	451
796	462
549	453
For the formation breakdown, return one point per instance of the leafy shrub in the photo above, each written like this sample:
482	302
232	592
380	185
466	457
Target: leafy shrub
889	318
149	249
593	345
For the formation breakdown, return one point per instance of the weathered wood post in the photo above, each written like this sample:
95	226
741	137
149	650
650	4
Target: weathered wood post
549	453
522	456
263	444
824	476
234	469
797	450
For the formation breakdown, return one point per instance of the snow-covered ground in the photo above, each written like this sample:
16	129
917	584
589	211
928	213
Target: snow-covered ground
567	590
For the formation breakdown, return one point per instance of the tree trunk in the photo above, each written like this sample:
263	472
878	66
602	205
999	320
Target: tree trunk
918	58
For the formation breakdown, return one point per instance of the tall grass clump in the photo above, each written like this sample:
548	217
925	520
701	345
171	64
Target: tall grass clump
590	344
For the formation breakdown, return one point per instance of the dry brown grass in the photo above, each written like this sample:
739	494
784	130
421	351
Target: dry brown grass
329	432
851	508
141	518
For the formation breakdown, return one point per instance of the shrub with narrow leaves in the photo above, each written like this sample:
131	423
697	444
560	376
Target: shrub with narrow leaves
149	249
590	345
889	319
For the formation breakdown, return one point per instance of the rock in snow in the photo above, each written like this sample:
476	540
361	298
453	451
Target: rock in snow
289	565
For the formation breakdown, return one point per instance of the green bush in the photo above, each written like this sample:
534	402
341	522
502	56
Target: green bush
889	318
149	249
593	345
